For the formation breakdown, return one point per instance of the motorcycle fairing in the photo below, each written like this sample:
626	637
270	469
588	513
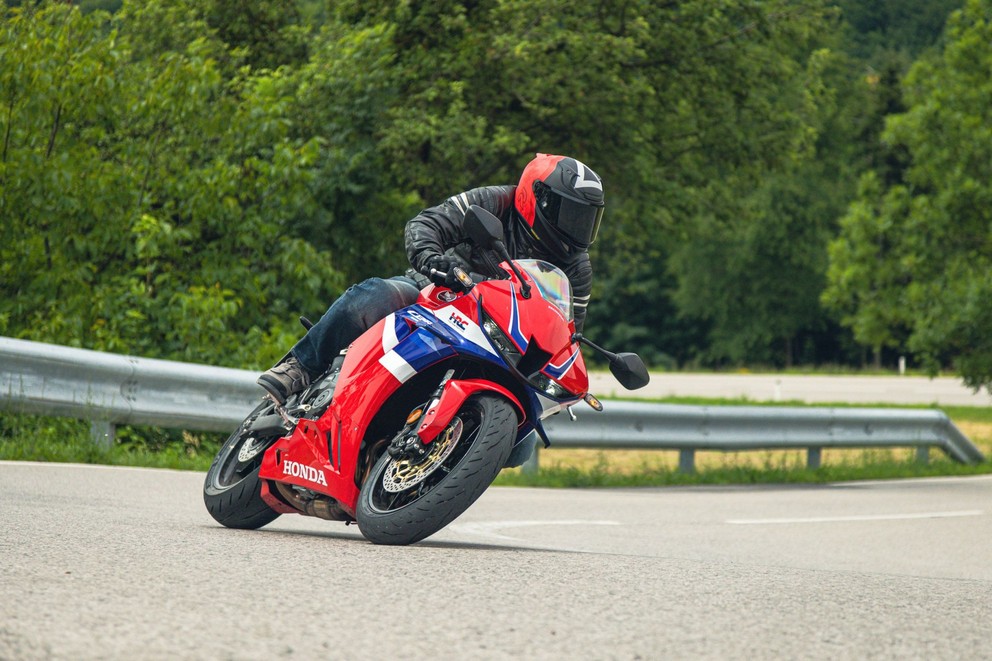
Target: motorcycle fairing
274	502
376	365
331	443
455	392
558	371
566	366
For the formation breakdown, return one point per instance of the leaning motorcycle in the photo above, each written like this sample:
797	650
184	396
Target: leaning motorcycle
417	417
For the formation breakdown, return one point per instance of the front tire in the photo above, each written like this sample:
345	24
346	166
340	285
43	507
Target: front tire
232	489
403	502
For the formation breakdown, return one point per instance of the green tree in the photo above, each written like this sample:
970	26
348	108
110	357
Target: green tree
928	236
877	29
757	280
361	207
146	197
757	274
177	182
681	107
270	31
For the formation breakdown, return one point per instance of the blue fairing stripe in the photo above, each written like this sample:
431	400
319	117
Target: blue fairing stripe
395	331
515	333
421	349
433	340
558	371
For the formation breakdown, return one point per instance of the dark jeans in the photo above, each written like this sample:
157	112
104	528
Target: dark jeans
353	313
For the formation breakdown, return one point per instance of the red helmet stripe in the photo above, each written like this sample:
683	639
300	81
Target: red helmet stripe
537	170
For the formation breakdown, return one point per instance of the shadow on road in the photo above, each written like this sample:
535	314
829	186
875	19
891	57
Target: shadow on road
428	543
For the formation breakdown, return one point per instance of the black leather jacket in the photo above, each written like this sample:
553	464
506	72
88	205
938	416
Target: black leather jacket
439	230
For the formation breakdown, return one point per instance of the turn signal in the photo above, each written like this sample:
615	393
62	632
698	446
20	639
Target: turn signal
593	402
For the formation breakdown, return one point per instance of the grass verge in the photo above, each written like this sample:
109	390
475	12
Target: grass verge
37	438
610	470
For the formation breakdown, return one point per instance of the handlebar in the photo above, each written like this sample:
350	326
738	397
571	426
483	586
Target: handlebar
467	280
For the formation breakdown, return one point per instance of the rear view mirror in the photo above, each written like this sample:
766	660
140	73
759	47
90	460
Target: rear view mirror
629	370
484	229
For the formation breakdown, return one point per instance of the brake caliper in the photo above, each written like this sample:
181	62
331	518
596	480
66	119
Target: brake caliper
407	444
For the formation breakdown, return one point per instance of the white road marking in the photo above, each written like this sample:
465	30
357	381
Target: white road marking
489	528
863	517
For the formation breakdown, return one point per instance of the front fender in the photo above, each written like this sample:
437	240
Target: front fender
455	392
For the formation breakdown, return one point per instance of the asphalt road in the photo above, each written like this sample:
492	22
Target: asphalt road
116	563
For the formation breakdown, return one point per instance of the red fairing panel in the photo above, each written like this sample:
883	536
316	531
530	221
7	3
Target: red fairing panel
322	454
524	316
453	396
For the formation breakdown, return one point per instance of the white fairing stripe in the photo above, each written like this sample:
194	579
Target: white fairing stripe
453	319
398	367
389	339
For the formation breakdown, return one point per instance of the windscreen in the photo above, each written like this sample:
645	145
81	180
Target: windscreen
551	283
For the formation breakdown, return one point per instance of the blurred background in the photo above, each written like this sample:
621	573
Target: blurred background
791	184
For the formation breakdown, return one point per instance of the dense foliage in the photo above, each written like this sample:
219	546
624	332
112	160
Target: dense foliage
912	264
180	179
145	194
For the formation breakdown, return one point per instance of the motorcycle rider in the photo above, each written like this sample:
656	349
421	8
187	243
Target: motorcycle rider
553	214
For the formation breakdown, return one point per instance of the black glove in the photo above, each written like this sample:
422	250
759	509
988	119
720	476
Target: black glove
441	271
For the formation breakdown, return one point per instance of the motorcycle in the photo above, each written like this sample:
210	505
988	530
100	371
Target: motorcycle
414	421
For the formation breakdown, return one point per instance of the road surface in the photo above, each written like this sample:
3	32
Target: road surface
117	563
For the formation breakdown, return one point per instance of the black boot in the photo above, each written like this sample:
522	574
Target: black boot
285	379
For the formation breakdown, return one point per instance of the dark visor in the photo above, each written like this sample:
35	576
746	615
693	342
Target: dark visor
578	221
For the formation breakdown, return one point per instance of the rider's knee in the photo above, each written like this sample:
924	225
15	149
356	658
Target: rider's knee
405	291
374	298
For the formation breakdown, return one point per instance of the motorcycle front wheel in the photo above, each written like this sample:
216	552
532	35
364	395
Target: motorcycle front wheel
403	501
232	489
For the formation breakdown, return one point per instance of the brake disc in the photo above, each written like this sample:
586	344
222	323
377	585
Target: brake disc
250	449
401	474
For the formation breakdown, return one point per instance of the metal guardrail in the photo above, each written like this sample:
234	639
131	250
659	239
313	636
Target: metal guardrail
110	389
640	426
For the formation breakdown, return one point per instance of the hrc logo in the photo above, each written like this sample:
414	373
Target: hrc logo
457	321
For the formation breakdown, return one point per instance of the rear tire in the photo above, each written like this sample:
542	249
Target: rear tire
232	489
485	427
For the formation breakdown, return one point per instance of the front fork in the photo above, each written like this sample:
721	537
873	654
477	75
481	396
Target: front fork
425	423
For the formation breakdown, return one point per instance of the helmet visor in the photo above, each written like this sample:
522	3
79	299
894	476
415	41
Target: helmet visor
576	221
579	222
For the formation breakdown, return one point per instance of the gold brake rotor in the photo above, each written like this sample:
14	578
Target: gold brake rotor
401	474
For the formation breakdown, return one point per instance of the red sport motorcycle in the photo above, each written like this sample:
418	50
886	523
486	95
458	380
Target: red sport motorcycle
417	417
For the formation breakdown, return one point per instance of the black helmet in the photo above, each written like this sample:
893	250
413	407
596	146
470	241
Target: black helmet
561	201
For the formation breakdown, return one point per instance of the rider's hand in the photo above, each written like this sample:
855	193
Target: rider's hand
441	270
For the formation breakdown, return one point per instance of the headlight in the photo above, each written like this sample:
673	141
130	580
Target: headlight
549	386
500	340
509	350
